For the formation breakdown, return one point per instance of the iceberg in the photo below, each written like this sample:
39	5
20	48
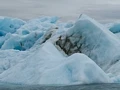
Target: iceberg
49	66
46	51
93	39
24	35
10	25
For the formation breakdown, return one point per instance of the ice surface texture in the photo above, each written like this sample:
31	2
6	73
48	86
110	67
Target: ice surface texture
48	66
93	39
44	51
21	35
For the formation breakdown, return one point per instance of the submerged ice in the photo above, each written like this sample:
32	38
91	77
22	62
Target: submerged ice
44	51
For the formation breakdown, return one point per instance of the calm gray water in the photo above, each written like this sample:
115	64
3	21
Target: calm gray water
75	87
101	10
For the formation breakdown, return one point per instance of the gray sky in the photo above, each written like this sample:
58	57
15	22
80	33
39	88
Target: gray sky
102	10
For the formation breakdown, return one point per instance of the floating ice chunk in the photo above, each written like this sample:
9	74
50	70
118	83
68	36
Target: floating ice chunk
9	25
93	39
23	35
46	65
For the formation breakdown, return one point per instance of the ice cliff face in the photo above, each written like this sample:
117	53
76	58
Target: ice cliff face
93	39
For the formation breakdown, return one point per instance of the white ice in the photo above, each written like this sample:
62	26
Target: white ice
28	54
46	65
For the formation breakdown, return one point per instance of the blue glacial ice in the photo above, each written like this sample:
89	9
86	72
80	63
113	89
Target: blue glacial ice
21	35
47	51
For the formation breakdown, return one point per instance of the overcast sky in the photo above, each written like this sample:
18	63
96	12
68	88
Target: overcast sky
102	10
